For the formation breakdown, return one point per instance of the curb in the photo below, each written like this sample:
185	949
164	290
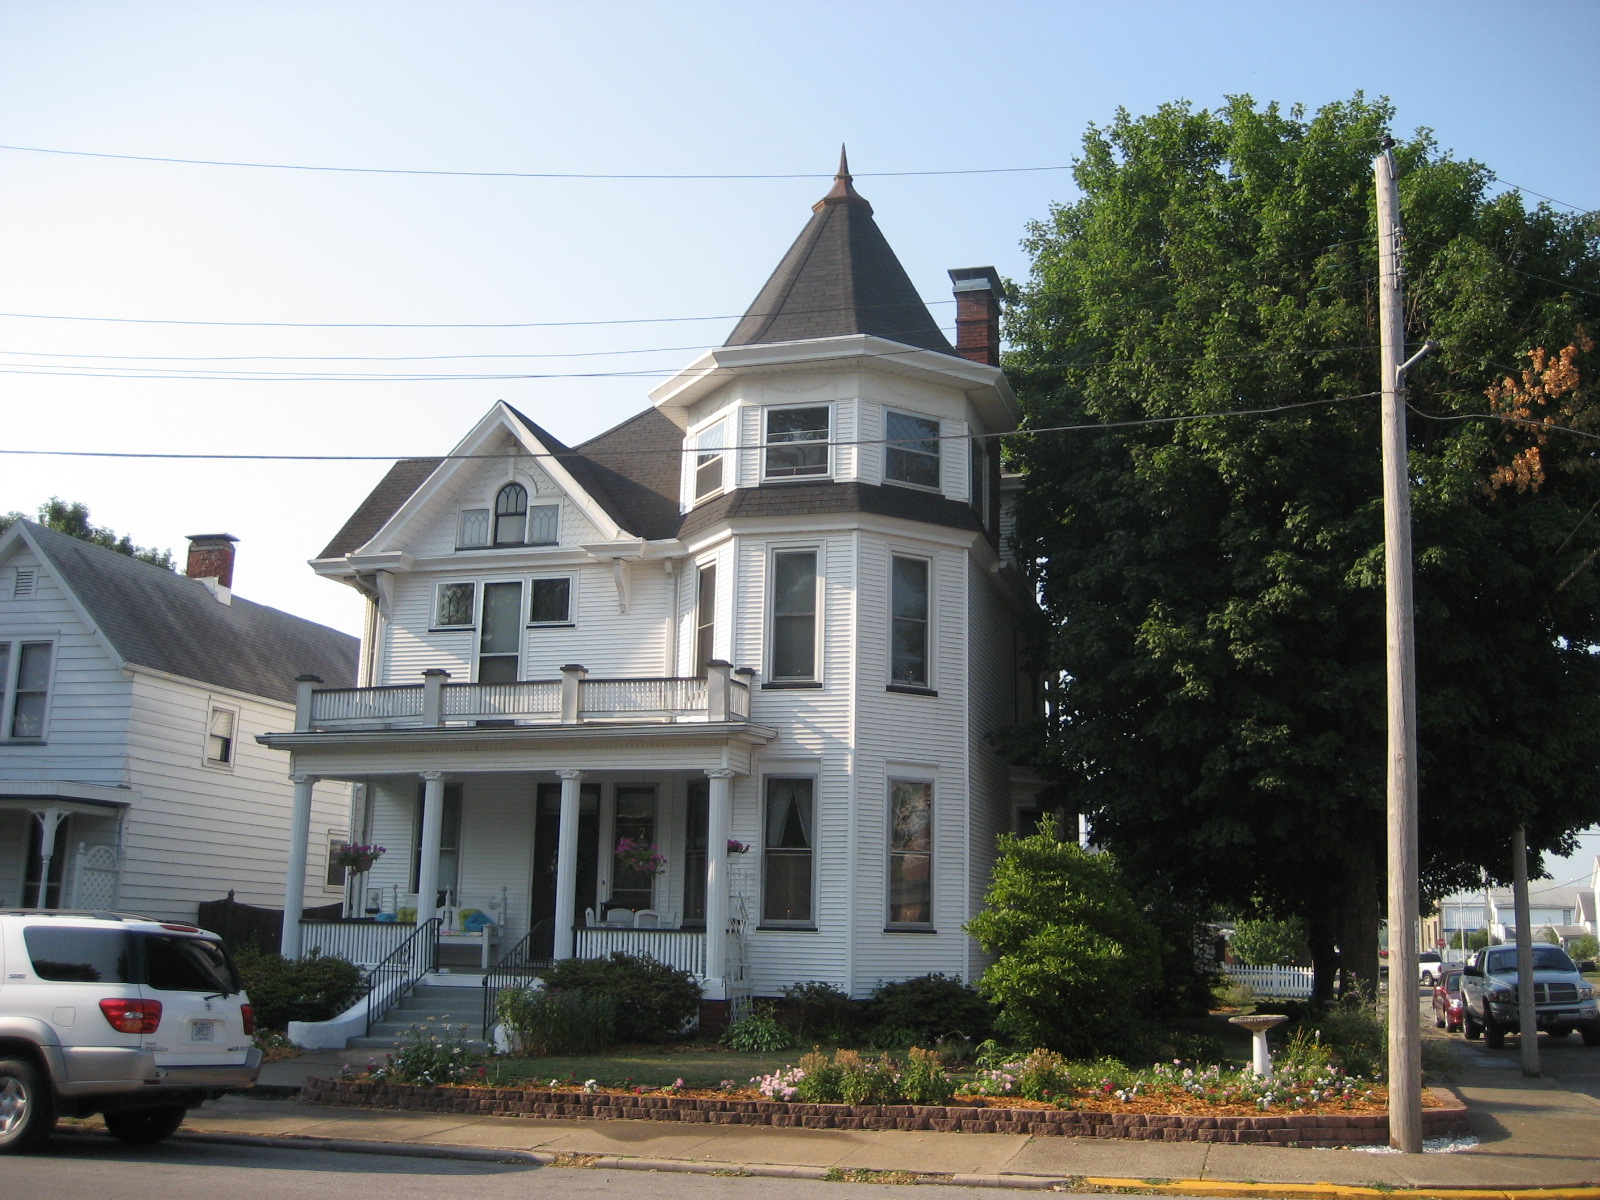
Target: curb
1071	1183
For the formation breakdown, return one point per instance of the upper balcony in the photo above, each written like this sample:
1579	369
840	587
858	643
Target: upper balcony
721	696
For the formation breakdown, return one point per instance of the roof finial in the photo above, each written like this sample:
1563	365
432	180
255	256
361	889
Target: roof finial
844	191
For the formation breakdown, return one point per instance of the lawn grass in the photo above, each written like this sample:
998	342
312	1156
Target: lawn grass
645	1066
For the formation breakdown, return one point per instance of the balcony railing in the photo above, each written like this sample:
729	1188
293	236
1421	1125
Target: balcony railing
722	695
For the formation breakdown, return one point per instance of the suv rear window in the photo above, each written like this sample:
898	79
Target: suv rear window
165	962
77	955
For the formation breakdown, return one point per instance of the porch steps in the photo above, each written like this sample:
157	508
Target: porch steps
461	1004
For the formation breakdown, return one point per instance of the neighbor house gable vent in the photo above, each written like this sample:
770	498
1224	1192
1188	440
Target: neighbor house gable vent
22	586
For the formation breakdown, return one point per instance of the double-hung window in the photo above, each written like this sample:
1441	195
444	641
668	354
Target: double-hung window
511	522
911	450
449	840
220	733
910	853
705	618
794	616
24	688
979	466
500	633
908	622
788	852
797	442
709	459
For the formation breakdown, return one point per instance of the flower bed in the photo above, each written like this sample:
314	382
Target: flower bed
1444	1115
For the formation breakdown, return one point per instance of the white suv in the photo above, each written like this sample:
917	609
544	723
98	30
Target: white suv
123	1015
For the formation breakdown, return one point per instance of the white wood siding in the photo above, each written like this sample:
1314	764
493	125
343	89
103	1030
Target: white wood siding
199	831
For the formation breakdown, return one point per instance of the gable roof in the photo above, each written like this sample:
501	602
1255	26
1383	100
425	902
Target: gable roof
840	277
393	490
154	618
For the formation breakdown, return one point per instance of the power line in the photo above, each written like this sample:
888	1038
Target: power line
1091	427
1518	187
272	166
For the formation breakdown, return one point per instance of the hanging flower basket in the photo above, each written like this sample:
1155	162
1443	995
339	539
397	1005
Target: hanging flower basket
642	858
354	857
735	846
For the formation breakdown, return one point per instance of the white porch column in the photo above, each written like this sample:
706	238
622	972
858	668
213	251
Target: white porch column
719	820
294	883
49	821
567	862
432	831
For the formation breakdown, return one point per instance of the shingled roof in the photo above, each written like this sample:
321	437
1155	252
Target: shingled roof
168	622
840	277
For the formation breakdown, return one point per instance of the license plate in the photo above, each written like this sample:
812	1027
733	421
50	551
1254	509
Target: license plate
204	1031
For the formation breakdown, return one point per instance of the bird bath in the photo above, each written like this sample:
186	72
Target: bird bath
1260	1056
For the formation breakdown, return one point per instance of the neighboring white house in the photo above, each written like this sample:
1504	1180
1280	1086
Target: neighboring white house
765	626
130	701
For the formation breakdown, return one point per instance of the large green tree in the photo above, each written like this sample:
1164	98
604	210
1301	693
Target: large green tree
1214	587
72	519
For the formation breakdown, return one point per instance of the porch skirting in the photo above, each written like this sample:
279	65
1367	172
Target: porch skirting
1290	1129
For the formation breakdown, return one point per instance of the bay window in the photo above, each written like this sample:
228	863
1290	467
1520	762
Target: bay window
797	442
794	616
910	853
908	622
911	450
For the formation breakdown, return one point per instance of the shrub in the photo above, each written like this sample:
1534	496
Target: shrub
818	1009
1073	952
431	1054
551	1021
925	1081
654	1001
758	1033
818	1080
1269	942
1354	1036
1584	948
926	1009
862	1081
314	988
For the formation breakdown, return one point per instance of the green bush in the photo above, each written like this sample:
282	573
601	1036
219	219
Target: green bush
431	1054
1269	942
758	1033
1074	954
550	1021
863	1081
654	1002
927	1009
925	1080
817	1009
1584	948
314	988
819	1080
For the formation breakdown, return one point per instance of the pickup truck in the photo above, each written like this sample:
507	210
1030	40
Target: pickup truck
1563	1001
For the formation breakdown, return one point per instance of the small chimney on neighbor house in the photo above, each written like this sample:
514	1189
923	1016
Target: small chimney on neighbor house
211	562
978	295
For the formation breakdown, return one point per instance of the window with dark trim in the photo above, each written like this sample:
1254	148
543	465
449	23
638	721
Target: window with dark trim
908	632
788	851
511	515
696	829
551	603
500	635
911	450
910	853
449	838
24	688
794	615
797	442
453	604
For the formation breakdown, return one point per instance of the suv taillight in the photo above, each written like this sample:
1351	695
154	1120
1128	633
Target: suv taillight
249	1015
132	1016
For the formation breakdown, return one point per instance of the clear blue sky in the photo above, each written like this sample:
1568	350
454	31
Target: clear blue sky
607	88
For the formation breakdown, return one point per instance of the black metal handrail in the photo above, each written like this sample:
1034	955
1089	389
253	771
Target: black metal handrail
407	963
516	967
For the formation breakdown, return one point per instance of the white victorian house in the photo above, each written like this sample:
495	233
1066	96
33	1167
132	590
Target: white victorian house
130	700
766	627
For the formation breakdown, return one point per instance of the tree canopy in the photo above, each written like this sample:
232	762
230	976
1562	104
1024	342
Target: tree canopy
1214	586
72	519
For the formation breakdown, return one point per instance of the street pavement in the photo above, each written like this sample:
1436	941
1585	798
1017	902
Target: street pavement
1539	1133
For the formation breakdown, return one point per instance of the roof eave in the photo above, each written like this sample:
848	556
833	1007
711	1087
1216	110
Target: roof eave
716	367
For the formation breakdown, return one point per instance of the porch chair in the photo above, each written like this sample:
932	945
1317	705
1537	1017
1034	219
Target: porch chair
619	916
588	918
647	918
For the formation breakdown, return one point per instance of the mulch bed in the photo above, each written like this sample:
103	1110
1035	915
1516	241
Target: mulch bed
1443	1114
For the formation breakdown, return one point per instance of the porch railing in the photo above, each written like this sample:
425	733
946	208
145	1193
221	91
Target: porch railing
365	943
399	971
517	966
723	694
681	949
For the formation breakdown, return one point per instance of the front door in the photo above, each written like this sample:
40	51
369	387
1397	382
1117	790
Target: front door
546	835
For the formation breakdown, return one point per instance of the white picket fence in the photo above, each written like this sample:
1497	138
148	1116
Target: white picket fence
1291	983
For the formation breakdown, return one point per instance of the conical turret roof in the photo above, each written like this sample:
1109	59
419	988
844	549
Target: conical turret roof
840	277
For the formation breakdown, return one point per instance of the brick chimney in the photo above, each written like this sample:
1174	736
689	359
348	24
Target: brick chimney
211	558
978	295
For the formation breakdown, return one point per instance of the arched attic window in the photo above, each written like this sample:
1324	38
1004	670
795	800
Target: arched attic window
511	515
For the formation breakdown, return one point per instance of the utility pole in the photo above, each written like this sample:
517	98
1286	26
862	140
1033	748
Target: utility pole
1527	1011
1405	1062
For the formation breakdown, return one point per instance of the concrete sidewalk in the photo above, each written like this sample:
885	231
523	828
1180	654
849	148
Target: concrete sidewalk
1534	1134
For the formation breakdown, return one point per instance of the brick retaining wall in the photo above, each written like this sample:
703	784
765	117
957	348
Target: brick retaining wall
1292	1129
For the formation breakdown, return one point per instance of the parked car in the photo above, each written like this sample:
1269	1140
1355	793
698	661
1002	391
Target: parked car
1563	1000
134	1018
1429	967
1447	1002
